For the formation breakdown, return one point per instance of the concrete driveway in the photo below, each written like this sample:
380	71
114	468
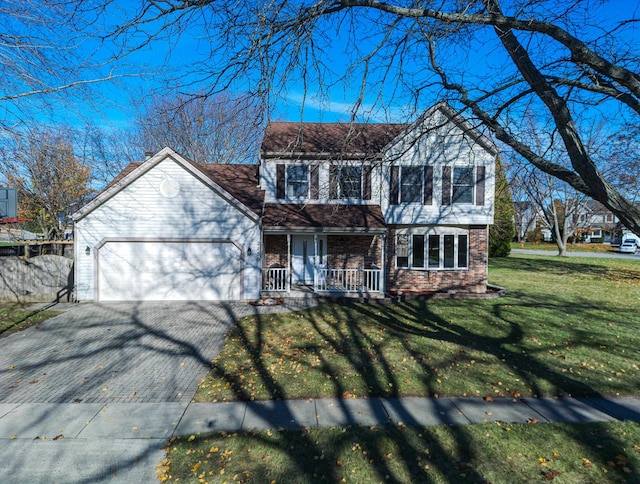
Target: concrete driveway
93	394
116	352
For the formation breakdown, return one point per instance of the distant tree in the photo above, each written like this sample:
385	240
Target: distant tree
502	232
52	182
216	128
557	205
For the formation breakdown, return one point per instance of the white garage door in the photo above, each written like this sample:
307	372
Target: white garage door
172	271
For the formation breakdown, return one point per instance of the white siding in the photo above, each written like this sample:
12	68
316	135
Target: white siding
438	142
141	211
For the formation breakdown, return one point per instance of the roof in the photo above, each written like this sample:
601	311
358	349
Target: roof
339	218
241	181
328	138
237	183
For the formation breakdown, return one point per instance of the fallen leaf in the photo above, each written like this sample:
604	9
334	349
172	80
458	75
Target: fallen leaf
58	437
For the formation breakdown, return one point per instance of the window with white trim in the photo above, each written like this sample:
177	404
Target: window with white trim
297	181
411	184
350	181
433	250
463	183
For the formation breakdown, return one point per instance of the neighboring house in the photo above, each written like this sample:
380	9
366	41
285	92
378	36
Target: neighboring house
362	209
596	222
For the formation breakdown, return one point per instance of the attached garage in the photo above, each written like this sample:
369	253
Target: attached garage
168	229
156	270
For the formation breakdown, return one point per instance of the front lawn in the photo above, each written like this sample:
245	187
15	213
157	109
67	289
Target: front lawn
565	327
590	453
16	317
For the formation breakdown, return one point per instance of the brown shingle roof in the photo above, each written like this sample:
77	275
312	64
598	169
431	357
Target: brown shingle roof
241	181
328	138
364	218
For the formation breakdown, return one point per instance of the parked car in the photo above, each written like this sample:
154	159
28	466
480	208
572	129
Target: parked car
628	247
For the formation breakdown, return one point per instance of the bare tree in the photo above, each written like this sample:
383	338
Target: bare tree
49	56
569	61
554	203
217	128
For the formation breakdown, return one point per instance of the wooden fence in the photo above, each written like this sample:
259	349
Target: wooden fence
44	278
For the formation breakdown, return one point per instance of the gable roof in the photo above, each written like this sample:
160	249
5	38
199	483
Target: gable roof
360	139
238	184
328	218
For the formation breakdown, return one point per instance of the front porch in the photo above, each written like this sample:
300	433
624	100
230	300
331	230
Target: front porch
323	264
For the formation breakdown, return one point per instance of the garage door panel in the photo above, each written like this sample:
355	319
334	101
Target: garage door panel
169	271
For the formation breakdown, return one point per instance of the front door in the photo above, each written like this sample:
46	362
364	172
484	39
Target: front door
303	257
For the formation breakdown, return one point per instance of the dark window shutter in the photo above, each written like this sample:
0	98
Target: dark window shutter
480	175
315	182
366	182
280	181
428	185
393	189
446	185
333	182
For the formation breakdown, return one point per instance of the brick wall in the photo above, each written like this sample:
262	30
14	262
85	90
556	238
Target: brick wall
474	279
354	251
343	251
275	250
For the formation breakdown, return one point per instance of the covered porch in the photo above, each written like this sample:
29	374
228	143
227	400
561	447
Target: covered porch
328	260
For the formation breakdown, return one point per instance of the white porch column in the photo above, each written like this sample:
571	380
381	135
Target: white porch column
384	263
315	262
289	262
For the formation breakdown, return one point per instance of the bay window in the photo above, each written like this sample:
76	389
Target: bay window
433	250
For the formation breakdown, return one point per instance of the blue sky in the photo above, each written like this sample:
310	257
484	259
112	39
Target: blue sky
113	104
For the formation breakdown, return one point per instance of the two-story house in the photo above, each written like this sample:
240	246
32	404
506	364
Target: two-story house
364	209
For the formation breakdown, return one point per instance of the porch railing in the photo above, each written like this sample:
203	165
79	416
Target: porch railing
347	280
275	279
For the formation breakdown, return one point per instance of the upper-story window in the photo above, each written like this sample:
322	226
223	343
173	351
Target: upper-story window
297	181
350	182
463	183
411	184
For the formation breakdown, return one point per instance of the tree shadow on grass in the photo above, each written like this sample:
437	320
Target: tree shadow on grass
354	338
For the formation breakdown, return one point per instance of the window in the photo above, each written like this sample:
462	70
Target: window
411	184
463	250
433	250
463	181
297	181
350	181
418	251
402	250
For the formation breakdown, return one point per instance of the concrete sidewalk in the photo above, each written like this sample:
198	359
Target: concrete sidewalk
86	442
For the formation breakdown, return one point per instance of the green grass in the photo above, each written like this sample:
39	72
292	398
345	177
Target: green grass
589	453
551	247
15	317
565	327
